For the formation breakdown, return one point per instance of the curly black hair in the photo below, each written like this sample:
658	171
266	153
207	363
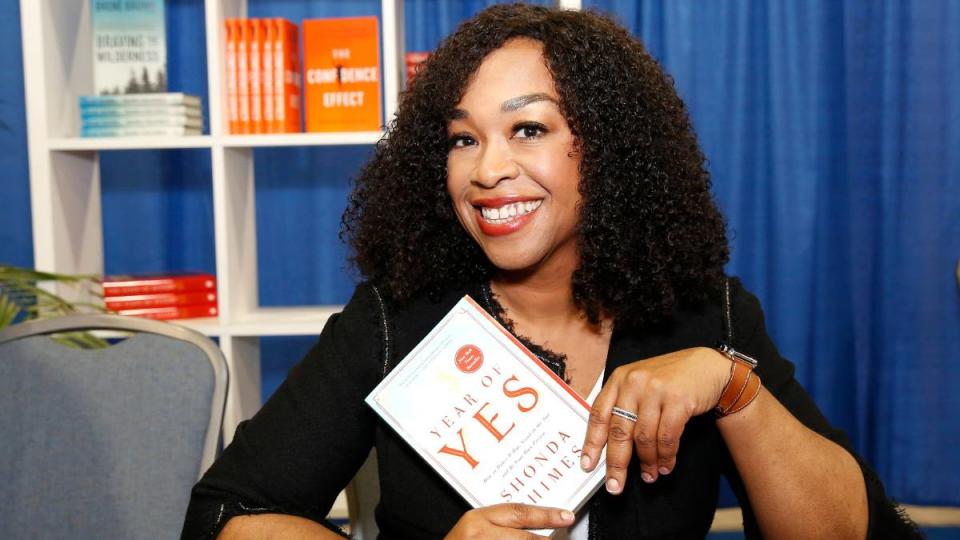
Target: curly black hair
650	233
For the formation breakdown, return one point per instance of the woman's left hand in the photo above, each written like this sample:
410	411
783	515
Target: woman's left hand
664	392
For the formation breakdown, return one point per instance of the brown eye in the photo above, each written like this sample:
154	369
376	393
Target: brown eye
460	141
530	130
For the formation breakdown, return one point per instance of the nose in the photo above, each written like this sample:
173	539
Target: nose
494	165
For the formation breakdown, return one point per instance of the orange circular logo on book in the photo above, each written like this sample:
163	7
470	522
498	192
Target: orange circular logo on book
469	358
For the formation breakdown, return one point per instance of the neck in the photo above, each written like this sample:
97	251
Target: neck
536	295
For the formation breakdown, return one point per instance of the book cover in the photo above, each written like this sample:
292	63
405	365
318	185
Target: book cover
230	51
488	416
129	46
154	131
286	78
164	98
141	301
173	312
126	285
342	69
140	111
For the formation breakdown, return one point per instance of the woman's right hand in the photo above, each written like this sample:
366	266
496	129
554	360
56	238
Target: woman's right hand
509	520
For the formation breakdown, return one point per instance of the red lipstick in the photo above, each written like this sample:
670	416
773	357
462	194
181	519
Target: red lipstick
508	226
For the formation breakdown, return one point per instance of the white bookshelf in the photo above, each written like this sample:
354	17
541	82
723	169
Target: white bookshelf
65	176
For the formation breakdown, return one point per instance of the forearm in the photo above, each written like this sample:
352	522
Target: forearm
274	526
800	484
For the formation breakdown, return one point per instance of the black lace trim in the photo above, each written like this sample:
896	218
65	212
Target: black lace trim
557	362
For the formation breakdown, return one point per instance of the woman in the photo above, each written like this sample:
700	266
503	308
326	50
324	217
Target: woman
543	163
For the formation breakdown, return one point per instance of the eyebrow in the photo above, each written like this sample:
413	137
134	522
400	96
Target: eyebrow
509	105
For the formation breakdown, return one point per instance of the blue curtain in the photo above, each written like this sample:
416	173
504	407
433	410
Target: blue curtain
831	130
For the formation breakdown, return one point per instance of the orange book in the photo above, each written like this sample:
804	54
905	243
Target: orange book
266	78
286	78
233	109
243	77
172	312
342	67
143	301
254	59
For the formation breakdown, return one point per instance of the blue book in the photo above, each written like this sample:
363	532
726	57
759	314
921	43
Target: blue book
140	111
129	46
139	100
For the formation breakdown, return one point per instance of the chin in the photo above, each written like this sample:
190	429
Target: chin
511	262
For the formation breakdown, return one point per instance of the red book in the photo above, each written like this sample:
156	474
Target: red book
173	312
140	301
414	59
153	284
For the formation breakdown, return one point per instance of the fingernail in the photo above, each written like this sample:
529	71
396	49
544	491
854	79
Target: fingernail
613	486
664	470
647	477
585	462
566	515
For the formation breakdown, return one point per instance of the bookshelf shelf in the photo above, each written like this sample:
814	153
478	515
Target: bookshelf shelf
65	175
208	326
300	139
282	321
69	144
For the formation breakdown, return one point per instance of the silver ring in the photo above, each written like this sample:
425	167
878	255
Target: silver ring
622	413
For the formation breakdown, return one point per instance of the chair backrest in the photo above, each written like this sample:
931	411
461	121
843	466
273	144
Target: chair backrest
363	493
105	443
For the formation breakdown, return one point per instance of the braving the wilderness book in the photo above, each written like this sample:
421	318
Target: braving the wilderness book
129	47
488	416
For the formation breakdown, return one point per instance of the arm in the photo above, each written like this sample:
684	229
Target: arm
819	488
823	483
274	527
789	465
306	443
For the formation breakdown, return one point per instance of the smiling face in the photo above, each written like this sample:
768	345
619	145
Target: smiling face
512	168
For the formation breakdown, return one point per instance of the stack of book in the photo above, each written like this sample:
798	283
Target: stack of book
263	76
166	297
159	114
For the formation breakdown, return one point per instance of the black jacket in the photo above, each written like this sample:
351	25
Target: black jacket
311	436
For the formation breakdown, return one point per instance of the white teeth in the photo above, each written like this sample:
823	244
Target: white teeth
508	211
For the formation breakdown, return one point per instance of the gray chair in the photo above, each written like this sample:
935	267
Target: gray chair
105	443
363	494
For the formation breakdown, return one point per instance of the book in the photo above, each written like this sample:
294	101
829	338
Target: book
141	301
414	59
128	121
243	76
165	98
341	60
160	131
488	416
126	285
139	111
129	46
233	107
255	73
266	74
173	312
287	83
